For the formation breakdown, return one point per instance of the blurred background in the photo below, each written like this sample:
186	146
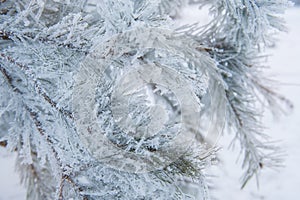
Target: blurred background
273	184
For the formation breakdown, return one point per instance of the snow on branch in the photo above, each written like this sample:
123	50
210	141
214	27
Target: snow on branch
105	100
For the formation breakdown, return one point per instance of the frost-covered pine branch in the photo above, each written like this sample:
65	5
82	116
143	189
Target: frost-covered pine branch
236	39
104	100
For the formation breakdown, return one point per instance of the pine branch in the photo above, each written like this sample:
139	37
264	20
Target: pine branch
34	117
37	85
236	47
274	100
249	144
8	35
65	178
129	32
39	127
32	114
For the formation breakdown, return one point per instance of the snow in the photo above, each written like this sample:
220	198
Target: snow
273	185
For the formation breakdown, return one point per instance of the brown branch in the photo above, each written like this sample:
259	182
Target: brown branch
9	80
61	187
32	114
39	126
13	61
40	90
3	143
9	35
63	180
34	117
54	104
67	178
4	35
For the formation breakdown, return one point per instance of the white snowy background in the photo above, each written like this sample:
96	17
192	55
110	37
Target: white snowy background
273	185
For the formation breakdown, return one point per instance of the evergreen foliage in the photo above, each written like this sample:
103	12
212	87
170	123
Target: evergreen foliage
107	100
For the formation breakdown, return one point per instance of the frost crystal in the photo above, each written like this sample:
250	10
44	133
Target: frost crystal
105	100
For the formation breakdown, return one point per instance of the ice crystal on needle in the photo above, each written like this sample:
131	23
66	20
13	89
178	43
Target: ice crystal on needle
105	100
